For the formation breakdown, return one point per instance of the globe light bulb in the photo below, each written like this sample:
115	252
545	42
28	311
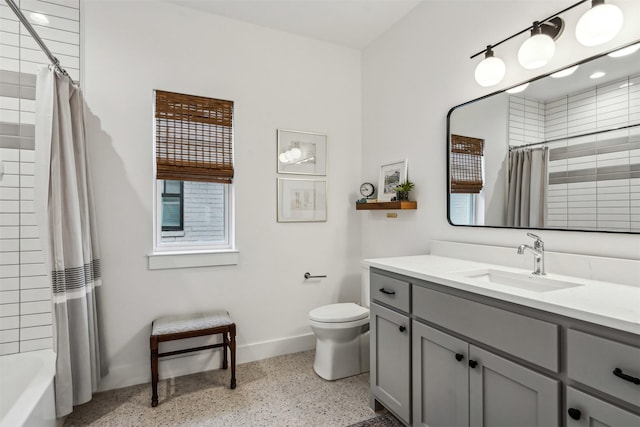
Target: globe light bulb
625	51
490	71
564	73
296	153
283	157
599	24
518	89
536	51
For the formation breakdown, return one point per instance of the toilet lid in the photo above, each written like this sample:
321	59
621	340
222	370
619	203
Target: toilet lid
335	313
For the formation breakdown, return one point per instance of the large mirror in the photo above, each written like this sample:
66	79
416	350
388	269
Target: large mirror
560	152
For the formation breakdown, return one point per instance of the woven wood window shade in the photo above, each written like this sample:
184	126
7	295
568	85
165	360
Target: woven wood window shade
466	164
194	138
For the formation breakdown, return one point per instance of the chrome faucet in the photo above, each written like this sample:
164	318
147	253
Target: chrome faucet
538	254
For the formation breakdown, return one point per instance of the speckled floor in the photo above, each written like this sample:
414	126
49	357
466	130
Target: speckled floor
281	391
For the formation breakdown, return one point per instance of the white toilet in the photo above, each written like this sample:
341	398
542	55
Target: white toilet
342	332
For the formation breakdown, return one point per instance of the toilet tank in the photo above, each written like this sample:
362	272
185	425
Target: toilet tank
364	286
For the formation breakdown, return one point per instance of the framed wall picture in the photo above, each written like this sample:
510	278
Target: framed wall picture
391	175
302	153
302	200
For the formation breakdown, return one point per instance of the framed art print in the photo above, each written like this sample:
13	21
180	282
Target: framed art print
391	175
302	200
302	153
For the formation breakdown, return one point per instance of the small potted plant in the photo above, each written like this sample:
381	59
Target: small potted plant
402	190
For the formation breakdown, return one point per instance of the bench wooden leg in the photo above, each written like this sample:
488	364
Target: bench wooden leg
232	347
153	344
225	346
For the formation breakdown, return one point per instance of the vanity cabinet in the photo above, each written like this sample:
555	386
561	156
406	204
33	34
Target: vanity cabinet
459	384
391	360
444	357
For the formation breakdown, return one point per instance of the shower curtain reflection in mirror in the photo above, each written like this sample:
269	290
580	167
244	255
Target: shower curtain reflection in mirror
527	197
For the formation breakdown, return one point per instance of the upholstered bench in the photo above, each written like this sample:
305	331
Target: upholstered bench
170	328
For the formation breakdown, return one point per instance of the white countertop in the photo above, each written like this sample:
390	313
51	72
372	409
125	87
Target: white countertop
609	304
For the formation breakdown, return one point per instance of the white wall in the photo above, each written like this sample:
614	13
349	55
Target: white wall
415	73
276	81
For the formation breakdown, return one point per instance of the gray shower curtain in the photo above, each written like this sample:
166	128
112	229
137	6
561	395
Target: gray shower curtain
67	228
527	198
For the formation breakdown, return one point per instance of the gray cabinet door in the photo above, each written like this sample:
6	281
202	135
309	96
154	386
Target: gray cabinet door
391	360
505	394
440	380
593	412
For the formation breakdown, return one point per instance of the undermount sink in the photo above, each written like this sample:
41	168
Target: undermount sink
529	282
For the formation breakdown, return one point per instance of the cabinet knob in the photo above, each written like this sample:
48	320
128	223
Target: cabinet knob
574	413
473	363
402	328
459	357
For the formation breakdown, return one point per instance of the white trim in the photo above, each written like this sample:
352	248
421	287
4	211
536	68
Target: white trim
173	366
183	259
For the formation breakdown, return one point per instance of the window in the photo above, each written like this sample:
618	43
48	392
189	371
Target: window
462	209
194	173
466	164
173	206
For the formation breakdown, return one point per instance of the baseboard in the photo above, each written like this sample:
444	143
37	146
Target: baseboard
124	376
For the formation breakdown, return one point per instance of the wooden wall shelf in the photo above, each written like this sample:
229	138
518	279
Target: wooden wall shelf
406	204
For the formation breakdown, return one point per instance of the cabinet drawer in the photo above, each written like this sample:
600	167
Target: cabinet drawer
527	338
390	291
592	360
584	410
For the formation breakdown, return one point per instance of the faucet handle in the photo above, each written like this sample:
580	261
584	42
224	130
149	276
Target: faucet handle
538	244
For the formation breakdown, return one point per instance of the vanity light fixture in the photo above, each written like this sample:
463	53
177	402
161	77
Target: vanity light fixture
491	70
296	155
518	89
537	50
625	51
597	75
599	24
292	155
564	73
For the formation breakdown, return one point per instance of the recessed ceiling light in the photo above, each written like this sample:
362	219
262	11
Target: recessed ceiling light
625	51
518	89
597	75
627	84
566	72
39	18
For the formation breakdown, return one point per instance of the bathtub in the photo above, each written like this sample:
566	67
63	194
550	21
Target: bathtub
26	389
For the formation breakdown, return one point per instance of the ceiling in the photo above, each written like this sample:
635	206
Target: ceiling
350	23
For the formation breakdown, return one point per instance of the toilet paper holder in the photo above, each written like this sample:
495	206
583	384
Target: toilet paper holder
308	275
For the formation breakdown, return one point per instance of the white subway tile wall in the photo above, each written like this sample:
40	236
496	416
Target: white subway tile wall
594	180
25	291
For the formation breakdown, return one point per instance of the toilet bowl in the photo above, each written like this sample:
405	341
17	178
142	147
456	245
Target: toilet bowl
342	344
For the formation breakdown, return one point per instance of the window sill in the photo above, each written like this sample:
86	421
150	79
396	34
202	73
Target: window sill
161	261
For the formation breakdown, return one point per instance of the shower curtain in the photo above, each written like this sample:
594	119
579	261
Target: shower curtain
527	198
67	228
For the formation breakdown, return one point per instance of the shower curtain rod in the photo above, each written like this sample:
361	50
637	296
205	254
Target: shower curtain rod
36	37
533	144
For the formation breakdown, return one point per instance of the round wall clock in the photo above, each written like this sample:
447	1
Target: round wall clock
367	189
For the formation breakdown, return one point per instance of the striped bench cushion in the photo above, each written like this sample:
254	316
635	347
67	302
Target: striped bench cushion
190	322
